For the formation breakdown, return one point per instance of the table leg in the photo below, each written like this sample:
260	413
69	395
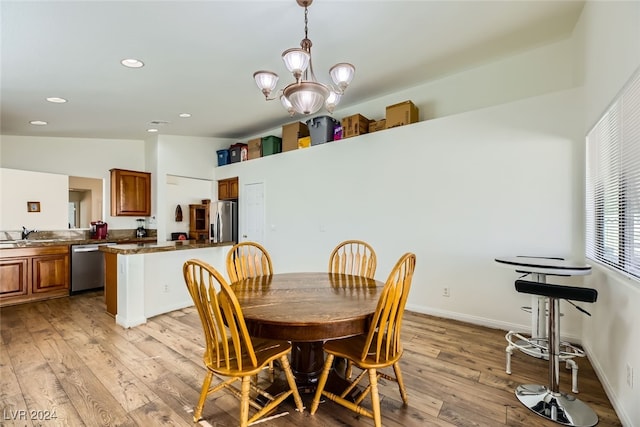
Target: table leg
307	361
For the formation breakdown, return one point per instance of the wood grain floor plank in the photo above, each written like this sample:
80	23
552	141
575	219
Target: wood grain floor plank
68	354
41	389
157	413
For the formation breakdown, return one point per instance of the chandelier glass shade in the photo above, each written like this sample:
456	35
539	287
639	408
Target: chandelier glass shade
306	95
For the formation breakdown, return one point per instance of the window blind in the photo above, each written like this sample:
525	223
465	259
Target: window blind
613	184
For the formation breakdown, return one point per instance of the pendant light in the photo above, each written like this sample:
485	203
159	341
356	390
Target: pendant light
306	95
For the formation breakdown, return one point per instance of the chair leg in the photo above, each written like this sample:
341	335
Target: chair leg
244	401
403	390
375	397
197	415
321	383
286	367
348	370
271	372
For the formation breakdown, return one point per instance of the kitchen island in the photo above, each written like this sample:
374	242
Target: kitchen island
145	280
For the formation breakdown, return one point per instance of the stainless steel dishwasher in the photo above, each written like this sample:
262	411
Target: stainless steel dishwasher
87	267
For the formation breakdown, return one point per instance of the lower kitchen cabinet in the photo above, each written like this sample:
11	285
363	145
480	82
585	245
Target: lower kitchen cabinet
111	282
30	274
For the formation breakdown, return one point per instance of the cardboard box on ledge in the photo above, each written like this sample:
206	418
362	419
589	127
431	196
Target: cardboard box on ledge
401	114
291	133
255	146
354	125
376	125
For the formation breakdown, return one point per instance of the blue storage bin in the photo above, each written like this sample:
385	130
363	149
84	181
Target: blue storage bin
223	157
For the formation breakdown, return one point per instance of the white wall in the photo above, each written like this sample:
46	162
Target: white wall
610	53
190	157
93	158
17	187
181	191
458	191
83	157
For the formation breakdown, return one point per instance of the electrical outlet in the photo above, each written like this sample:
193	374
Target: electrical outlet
629	375
446	292
166	288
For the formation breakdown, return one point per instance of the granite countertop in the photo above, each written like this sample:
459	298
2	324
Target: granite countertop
31	243
147	248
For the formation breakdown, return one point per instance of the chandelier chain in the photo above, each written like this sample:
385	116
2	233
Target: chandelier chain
306	22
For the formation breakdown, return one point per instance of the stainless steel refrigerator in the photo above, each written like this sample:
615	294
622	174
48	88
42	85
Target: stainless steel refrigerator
224	222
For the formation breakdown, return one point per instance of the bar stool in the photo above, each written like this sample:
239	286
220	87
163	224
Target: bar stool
548	401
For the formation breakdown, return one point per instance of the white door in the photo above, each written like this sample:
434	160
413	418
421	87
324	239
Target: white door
254	212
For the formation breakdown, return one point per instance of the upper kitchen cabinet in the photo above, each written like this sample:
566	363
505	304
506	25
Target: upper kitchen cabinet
228	189
130	193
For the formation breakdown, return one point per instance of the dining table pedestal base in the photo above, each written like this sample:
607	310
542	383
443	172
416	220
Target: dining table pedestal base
307	360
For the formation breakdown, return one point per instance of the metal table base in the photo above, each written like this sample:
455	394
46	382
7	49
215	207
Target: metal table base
559	407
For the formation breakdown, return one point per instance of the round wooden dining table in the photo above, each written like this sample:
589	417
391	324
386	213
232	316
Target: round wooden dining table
307	309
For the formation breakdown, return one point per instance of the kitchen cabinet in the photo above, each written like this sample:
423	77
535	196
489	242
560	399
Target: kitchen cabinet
130	193
228	189
199	222
30	274
111	283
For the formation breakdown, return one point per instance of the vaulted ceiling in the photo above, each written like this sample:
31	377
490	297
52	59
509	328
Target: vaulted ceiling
200	56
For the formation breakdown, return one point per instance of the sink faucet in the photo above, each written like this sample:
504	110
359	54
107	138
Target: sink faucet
25	232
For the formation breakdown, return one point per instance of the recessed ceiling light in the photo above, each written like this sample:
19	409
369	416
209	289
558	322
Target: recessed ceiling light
132	63
185	115
152	130
38	122
56	100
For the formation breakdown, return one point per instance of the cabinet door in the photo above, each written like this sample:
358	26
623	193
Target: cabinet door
228	189
223	190
199	222
233	188
130	193
15	277
50	272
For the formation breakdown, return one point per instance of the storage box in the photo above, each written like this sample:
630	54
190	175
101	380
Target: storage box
376	125
304	142
401	114
354	125
291	133
337	132
321	129
254	148
238	153
271	145
223	157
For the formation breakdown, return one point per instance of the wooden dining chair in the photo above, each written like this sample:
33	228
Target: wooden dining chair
246	260
357	258
230	351
353	257
379	348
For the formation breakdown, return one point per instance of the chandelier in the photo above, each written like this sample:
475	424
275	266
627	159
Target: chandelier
306	95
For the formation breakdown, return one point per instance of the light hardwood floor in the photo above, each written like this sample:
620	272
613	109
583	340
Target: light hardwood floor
66	358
